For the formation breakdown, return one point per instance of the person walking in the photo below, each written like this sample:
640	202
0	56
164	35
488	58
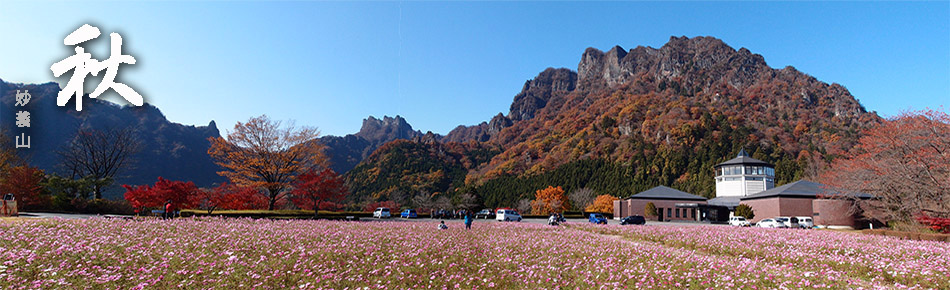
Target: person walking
468	221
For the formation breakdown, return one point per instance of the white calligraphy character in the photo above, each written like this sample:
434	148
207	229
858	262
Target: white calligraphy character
83	64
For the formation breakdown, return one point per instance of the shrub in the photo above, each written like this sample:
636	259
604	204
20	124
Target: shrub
650	210
744	210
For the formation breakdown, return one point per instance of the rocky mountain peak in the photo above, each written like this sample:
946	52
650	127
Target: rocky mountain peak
681	56
386	129
536	92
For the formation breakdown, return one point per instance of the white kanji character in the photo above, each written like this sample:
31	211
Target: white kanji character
23	119
22	98
83	64
25	141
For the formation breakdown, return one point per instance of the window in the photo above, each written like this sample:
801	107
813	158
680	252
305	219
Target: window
754	178
677	212
669	212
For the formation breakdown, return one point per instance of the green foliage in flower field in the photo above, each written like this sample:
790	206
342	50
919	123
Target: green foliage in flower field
200	253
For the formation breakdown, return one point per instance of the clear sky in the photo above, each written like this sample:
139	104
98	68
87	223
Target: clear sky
442	64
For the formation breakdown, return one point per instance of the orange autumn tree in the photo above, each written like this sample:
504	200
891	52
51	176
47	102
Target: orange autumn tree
550	200
267	154
604	203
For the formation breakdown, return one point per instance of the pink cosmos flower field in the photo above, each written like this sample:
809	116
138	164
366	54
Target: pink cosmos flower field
267	254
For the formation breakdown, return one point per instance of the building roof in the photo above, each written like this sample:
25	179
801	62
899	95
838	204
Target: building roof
726	201
663	192
743	159
801	188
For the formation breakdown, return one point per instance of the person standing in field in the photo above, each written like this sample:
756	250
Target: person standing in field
468	221
168	210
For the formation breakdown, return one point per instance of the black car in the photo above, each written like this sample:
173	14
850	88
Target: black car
485	214
633	220
443	214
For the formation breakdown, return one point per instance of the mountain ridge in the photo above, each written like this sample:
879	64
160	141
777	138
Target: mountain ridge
658	116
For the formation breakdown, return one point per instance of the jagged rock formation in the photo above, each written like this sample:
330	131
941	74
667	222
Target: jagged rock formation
347	151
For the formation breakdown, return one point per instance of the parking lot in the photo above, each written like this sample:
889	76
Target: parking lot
458	222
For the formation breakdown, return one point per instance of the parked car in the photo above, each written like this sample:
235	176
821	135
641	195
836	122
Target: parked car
739	221
443	214
770	223
485	214
507	215
596	218
790	222
633	220
805	222
381	213
409	214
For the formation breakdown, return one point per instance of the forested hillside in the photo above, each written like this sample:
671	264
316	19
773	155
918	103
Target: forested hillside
630	120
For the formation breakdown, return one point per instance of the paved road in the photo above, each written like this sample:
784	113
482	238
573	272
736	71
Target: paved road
543	221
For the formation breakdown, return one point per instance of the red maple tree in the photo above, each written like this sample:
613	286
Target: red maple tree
314	190
229	196
24	183
179	192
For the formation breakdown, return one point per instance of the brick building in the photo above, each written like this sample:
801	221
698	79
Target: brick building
671	204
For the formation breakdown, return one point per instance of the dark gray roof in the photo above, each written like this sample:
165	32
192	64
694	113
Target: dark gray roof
744	159
801	188
726	201
663	192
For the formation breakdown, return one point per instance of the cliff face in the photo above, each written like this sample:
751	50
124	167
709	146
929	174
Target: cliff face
347	151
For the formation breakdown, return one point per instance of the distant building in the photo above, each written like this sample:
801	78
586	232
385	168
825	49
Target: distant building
803	198
741	176
671	204
749	181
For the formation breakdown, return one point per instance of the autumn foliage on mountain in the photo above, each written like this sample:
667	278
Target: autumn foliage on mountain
628	120
403	169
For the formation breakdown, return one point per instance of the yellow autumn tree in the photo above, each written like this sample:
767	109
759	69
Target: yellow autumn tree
604	203
550	200
267	154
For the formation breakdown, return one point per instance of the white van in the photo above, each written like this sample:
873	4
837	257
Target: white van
505	215
805	222
381	213
739	221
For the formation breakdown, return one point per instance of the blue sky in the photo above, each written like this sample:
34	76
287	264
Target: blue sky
442	64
